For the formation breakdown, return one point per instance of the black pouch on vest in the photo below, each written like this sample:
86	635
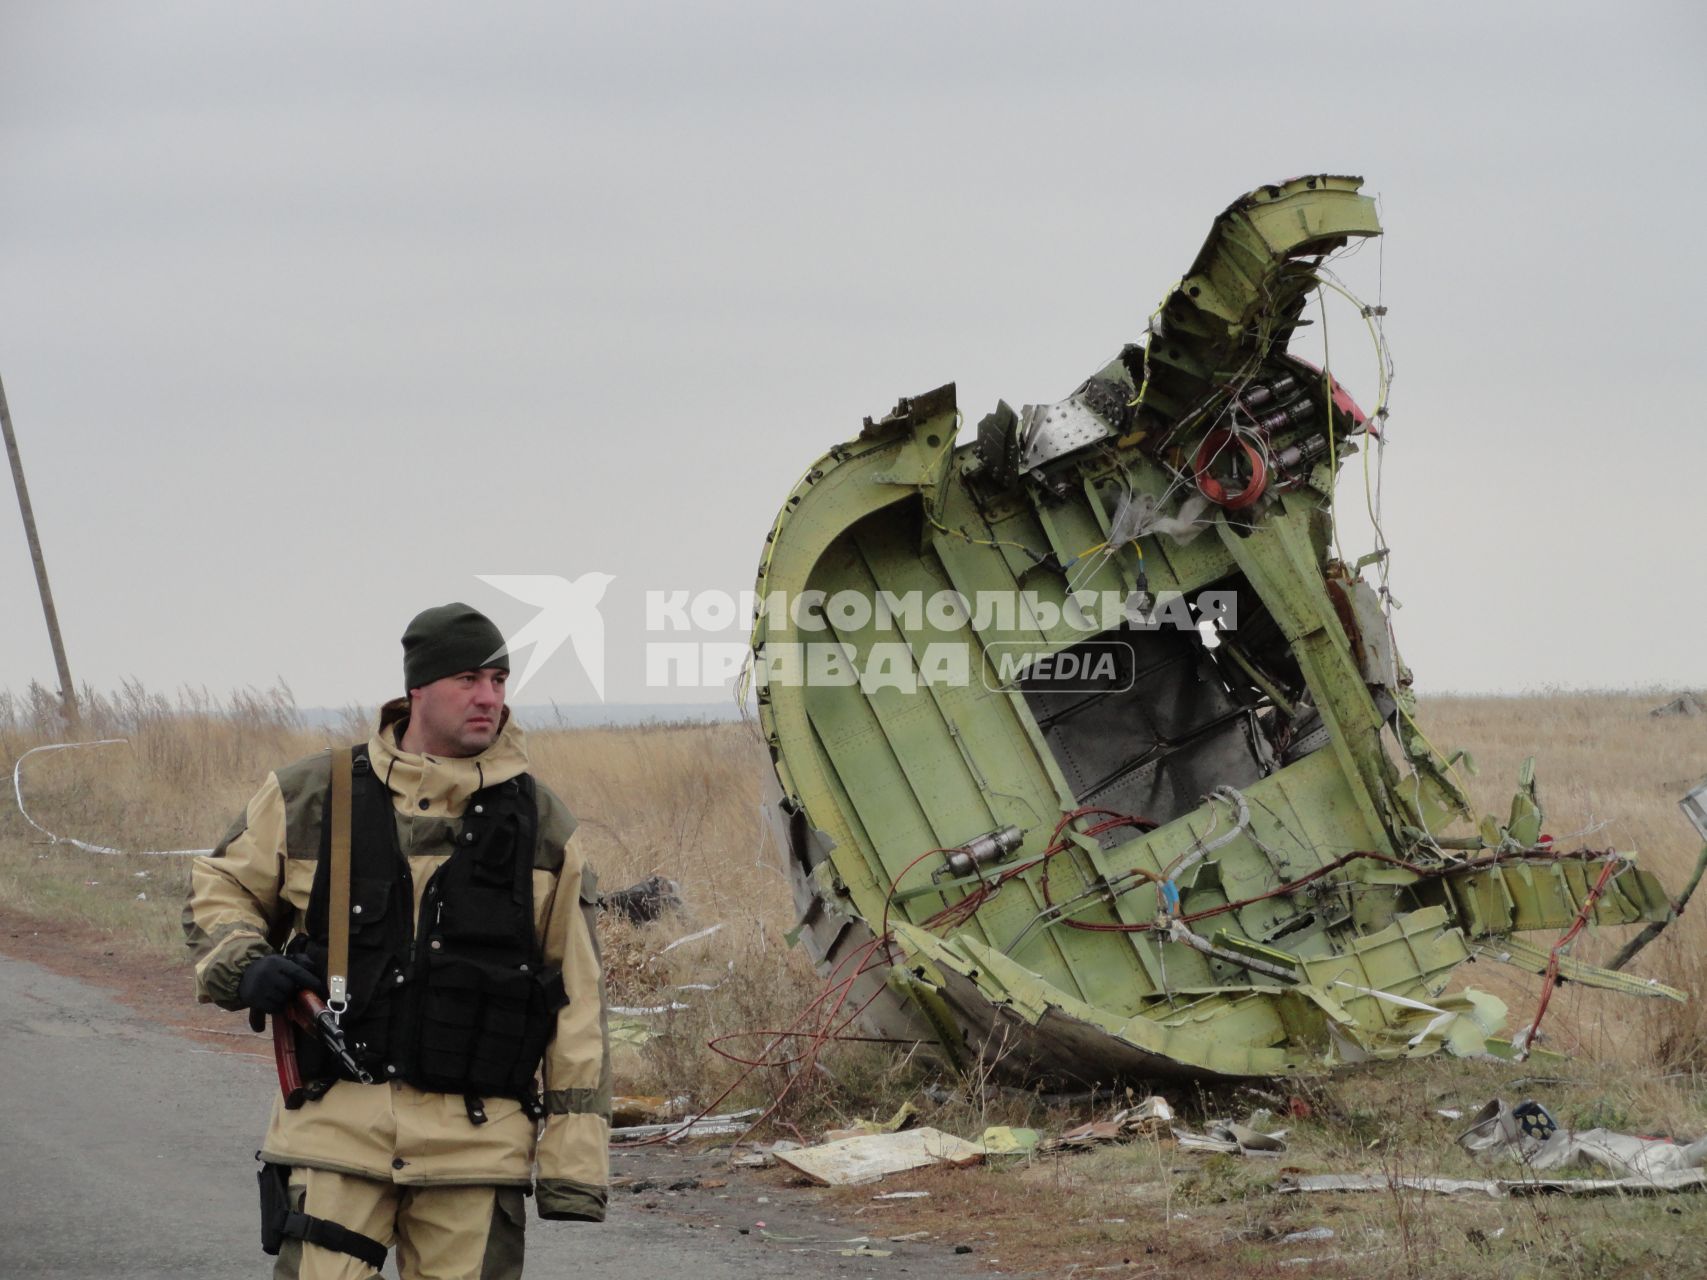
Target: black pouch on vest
275	1205
483	1029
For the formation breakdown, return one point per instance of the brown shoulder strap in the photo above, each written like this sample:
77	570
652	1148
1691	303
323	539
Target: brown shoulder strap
338	912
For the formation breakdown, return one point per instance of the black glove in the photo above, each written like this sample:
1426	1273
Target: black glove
269	982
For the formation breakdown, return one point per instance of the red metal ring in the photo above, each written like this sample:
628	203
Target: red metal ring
1212	488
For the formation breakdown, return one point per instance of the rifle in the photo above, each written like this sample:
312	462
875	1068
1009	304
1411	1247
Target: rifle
308	1012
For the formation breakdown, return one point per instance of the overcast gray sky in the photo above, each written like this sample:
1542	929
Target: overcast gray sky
310	313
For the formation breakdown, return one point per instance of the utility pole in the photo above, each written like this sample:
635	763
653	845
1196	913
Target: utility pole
67	693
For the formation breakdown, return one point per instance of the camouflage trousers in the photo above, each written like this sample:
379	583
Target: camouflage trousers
467	1232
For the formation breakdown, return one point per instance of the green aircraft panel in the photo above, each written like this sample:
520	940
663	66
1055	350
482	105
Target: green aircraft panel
1092	761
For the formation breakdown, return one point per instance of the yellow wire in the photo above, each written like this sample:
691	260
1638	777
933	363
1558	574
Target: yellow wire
1150	338
936	463
1383	388
979	542
1374	336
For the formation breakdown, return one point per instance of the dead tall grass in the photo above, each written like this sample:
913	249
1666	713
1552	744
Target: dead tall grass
680	801
675	800
177	770
1610	776
683	801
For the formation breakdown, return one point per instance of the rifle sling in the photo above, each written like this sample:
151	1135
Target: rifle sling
338	913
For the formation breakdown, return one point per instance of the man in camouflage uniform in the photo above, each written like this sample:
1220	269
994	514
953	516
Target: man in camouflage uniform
472	957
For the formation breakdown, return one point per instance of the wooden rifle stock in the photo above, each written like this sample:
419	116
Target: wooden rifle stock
300	1012
308	1012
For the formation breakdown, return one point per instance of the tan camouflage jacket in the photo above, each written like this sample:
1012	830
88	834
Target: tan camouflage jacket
251	894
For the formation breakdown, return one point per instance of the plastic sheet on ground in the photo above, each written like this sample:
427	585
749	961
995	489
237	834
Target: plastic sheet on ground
869	1157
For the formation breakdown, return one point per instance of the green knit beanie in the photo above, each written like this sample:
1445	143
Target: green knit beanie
449	639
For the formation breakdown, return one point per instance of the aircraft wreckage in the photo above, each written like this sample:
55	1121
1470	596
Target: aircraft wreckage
1202	836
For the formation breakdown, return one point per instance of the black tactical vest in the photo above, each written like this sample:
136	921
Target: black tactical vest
465	1006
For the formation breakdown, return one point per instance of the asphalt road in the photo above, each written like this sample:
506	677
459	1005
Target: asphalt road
126	1150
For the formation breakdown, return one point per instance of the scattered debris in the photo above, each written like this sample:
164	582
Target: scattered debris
762	1155
85	846
901	1195
1228	1137
1686	705
692	937
1527	1133
644	902
1258	1135
855	1247
1312	1233
1005	1140
782	1239
1149	1118
903	1117
630	1032
1316	1260
702	1127
1682	1180
626	1111
851	1161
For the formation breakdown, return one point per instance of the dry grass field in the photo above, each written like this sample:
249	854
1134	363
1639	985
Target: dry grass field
683	801
1610	777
